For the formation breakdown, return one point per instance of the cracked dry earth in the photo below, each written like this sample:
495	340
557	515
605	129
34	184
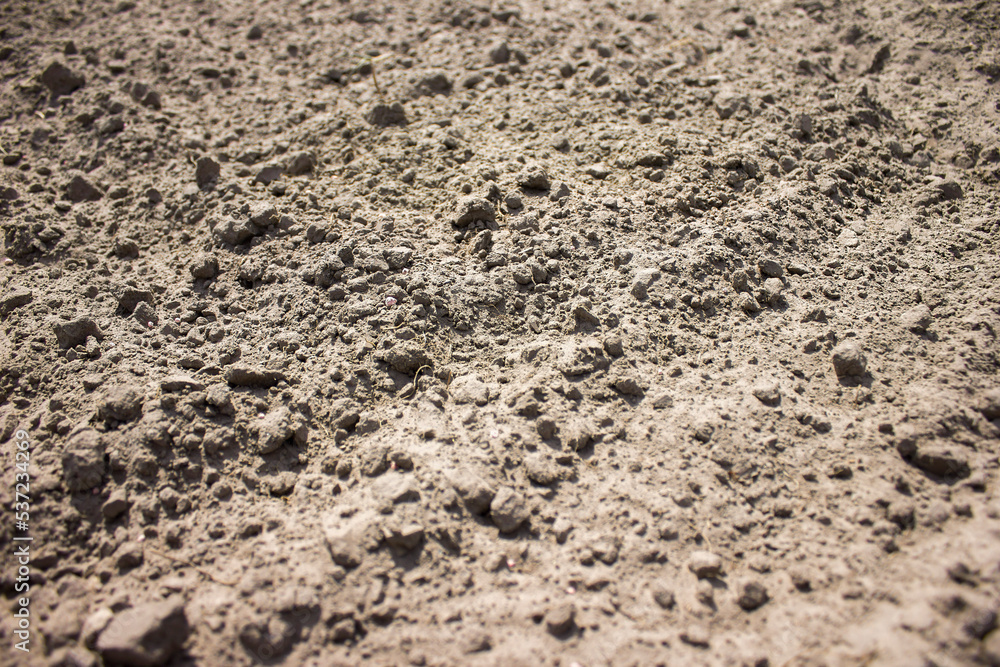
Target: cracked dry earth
525	333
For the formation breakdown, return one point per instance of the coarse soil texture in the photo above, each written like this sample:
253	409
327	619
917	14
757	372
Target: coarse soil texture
515	333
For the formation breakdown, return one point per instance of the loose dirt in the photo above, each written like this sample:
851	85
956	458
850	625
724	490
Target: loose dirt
525	333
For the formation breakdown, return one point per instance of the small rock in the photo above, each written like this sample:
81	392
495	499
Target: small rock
268	174
434	83
772	291
561	529
474	491
534	178
561	619
374	460
14	299
205	266
232	231
705	564
600	171
662	400
80	189
129	556
274	430
628	386
122	403
751	594
880	59
849	238
474	209
947	190
406	357
546	428
405	538
302	162
396	488
124	248
206	171
60	80
848	359
696	635
802	579
508	510
83	461
145	636
345	546
242	376
263	215
747	303
180	383
728	103
540	469
282	484
767	392
938	191
613	346
130	297
770	268
384	115
500	53
116	505
941	461
398	257
916	319
663	597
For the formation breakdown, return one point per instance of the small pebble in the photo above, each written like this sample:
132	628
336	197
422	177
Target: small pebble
848	359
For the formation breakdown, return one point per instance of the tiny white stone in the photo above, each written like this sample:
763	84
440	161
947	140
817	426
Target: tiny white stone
390	301
149	324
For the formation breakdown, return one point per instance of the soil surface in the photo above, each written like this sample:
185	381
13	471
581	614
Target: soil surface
525	333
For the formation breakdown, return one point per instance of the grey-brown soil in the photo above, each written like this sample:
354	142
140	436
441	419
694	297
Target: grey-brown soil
524	333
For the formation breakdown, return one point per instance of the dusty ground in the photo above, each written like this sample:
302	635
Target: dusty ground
534	333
